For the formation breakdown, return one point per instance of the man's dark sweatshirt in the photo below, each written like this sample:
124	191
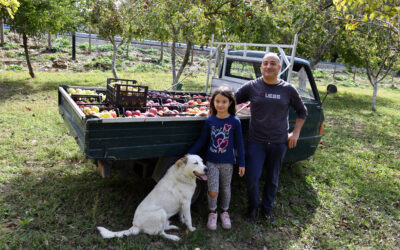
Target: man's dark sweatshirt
270	103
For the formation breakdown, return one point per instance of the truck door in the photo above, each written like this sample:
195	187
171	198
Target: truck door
310	136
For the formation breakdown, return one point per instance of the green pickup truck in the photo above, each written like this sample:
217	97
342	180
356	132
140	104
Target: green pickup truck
151	144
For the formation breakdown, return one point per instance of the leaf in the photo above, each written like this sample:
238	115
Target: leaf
28	108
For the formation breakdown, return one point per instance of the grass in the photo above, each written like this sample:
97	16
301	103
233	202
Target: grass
345	196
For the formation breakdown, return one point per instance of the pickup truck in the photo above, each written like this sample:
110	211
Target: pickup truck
151	144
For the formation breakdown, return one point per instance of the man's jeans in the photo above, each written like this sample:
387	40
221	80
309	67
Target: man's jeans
256	154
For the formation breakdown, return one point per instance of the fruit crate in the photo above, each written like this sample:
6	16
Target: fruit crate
124	92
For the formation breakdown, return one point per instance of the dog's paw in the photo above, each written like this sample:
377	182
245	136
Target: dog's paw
174	238
191	229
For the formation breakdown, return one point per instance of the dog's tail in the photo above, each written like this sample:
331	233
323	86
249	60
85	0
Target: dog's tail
108	234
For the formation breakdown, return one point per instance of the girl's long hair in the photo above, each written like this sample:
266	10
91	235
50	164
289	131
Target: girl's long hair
227	92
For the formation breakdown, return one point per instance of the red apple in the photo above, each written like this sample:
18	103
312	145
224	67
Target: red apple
136	112
128	113
153	111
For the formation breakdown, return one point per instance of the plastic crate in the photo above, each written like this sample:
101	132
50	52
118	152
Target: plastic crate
124	92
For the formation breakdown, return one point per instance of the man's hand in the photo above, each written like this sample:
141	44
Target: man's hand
292	139
241	171
294	136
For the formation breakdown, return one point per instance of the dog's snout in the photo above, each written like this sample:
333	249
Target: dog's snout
205	169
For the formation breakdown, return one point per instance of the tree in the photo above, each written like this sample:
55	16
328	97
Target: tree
7	9
182	22
36	18
376	35
379	12
378	49
10	6
115	18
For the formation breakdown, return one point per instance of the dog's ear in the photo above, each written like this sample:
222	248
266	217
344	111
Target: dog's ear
182	161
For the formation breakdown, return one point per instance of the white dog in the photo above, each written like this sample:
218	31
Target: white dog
172	194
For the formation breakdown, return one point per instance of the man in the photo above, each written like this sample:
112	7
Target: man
268	139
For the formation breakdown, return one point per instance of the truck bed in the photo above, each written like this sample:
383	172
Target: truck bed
151	137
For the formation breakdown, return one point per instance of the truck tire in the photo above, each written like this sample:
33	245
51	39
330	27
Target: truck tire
104	167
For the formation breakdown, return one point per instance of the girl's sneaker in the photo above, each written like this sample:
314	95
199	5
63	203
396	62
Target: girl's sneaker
225	220
212	221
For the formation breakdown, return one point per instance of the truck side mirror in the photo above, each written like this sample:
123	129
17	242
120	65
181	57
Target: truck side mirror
330	89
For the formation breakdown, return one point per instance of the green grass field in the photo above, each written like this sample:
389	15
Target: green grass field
346	196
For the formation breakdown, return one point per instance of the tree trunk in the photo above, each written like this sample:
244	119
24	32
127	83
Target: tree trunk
375	94
114	70
49	41
74	45
90	40
1	32
191	58
127	47
162	51
354	75
334	72
173	58
185	60
28	61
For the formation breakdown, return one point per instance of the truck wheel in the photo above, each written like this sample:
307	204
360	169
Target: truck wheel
104	168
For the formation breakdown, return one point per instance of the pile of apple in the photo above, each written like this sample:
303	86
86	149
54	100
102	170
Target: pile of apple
95	110
73	91
152	112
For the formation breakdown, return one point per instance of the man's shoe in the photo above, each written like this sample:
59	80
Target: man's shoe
265	214
251	214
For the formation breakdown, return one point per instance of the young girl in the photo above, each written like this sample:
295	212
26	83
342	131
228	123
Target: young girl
223	132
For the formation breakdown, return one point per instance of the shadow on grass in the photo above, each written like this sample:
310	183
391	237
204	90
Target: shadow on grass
66	207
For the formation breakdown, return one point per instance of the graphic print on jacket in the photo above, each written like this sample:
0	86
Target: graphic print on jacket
220	138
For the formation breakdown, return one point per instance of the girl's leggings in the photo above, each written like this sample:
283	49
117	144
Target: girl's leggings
219	175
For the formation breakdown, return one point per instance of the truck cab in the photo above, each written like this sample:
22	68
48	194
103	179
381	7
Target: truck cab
236	67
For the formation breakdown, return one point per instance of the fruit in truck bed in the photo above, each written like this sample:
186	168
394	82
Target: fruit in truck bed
86	110
95	108
153	111
136	112
128	113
